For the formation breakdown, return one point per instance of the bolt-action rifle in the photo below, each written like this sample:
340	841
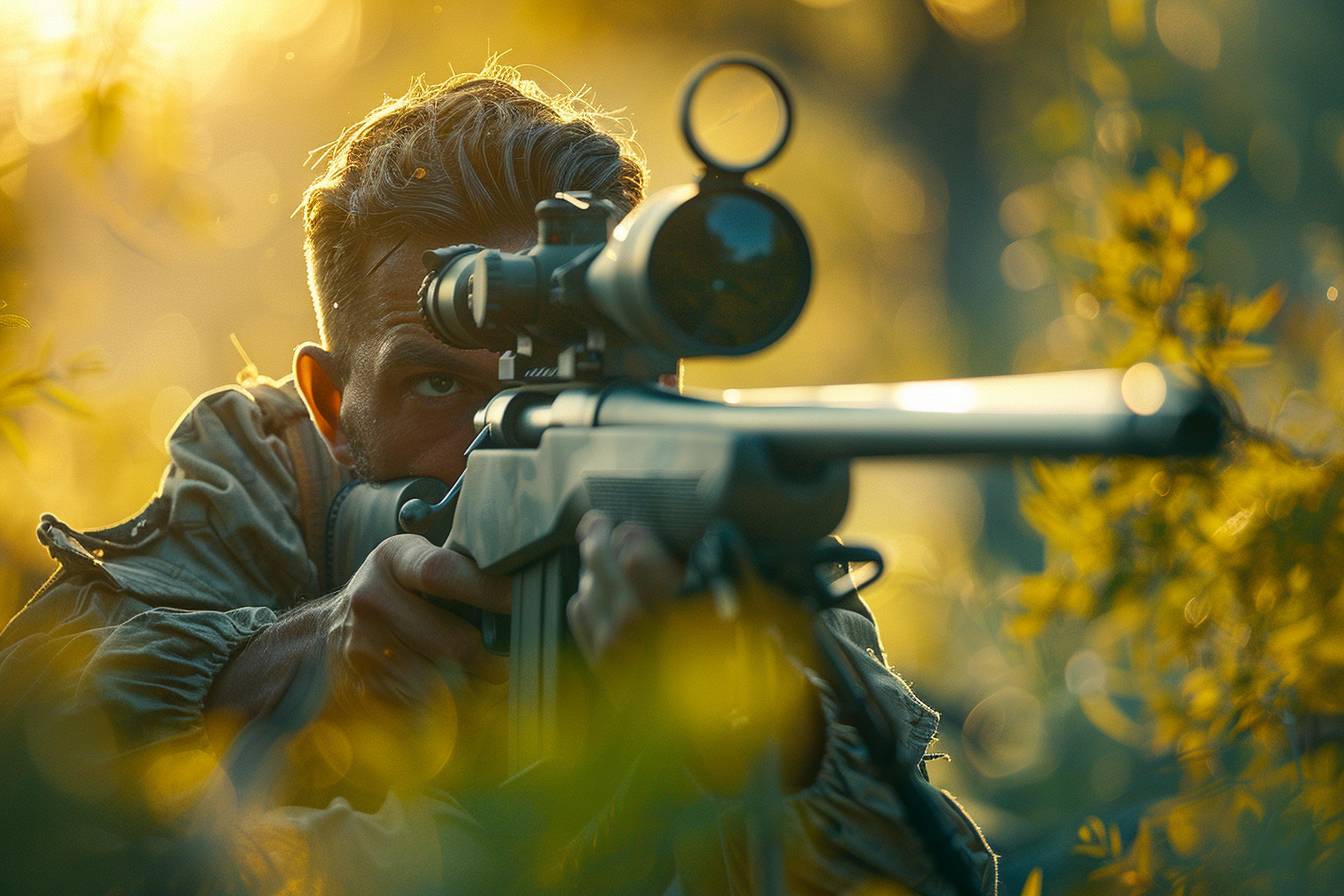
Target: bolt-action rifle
587	323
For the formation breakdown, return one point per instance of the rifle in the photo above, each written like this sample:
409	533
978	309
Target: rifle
589	320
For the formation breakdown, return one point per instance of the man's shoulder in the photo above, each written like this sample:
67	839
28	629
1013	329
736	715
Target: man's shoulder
269	406
239	516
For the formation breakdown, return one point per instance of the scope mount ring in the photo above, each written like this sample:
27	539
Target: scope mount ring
713	164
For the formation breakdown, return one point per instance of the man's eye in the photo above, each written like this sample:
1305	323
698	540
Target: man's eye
436	385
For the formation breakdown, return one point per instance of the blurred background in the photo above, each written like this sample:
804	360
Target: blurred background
152	153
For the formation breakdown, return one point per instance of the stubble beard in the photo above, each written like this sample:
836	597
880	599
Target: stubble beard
363	465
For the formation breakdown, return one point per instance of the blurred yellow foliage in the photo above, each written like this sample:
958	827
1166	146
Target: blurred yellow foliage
1213	589
39	380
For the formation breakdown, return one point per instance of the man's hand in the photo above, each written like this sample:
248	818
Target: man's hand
628	581
406	681
722	688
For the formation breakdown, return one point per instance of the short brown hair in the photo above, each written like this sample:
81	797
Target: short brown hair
466	160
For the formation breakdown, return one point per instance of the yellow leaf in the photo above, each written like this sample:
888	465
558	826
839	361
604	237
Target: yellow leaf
1183	219
1202	692
1292	636
1032	887
1169	159
1244	801
1329	649
1245	354
1025	627
1183	829
1217	173
1258	312
10	435
15	396
1102	712
1143	849
65	398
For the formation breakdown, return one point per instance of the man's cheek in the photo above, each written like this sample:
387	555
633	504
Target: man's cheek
435	447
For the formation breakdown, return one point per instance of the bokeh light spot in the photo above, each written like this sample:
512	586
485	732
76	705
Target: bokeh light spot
1024	265
1086	306
1025	211
904	194
1085	673
176	780
978	21
1066	340
1143	388
1189	32
1118	128
165	411
1004	732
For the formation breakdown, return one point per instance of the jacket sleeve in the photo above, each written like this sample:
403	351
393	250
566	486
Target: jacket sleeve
848	828
114	673
119	649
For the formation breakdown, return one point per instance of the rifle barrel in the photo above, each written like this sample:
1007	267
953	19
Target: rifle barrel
1142	411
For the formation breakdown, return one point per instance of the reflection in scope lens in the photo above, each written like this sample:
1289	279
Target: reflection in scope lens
730	270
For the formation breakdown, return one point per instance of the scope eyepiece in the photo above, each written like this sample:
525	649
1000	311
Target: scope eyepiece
445	302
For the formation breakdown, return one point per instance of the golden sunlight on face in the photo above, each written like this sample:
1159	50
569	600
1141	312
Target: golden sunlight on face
409	404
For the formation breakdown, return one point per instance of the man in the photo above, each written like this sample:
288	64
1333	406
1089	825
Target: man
162	646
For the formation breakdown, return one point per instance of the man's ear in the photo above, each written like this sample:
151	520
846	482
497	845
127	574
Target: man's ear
316	373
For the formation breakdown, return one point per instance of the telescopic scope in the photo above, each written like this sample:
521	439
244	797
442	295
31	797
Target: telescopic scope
719	267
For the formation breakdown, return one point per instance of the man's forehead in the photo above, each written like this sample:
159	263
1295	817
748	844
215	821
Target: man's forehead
411	345
395	272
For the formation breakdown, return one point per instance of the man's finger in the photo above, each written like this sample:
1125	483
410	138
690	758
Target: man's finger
418	565
439	635
578	612
651	570
590	523
602	581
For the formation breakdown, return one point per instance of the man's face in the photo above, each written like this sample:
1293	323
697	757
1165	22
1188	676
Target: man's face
408	404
